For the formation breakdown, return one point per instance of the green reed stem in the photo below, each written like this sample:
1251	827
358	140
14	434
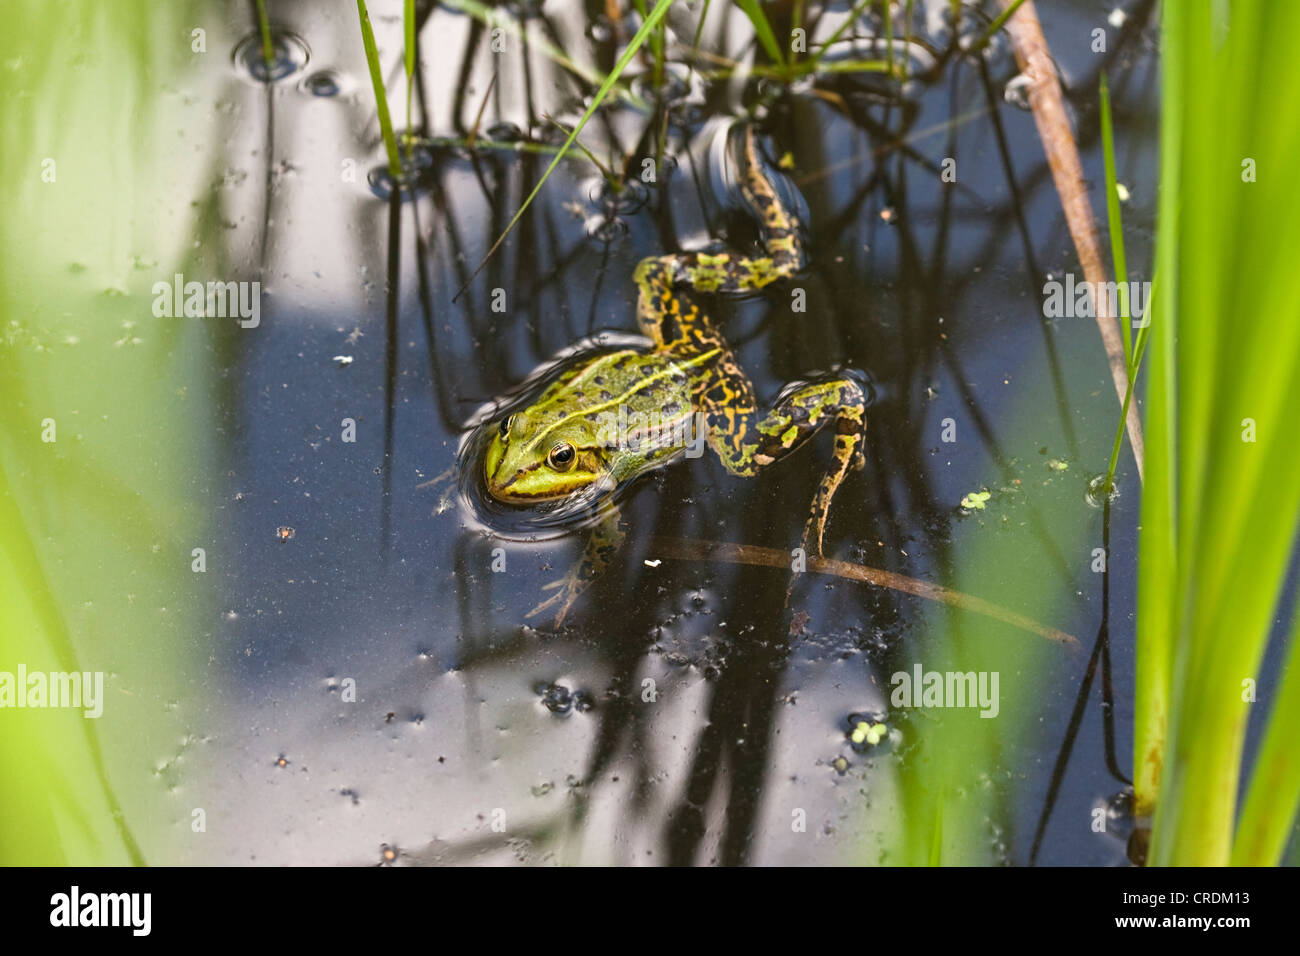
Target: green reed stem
381	98
995	26
268	45
763	29
409	53
1114	223
851	19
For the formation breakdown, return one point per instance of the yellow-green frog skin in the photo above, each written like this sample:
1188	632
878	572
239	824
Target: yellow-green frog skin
611	417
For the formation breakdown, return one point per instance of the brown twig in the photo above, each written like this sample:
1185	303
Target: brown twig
692	549
1053	124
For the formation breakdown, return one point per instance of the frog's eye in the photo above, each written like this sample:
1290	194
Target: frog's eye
562	456
505	426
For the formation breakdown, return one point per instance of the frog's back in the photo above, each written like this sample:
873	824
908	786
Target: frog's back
636	381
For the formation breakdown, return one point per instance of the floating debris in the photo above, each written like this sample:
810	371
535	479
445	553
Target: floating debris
864	732
1016	92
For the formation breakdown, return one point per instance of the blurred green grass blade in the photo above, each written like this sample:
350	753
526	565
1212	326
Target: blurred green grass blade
762	29
848	21
381	98
264	27
97	525
856	66
992	30
1219	516
1115	225
889	35
408	56
1157	564
1273	797
656	45
1134	364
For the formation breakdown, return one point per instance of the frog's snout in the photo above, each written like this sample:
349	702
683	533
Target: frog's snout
502	477
494	472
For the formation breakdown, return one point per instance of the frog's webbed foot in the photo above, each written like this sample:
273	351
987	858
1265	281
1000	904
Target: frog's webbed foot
850	438
566	590
750	443
603	543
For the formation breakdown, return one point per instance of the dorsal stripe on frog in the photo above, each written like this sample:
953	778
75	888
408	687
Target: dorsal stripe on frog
614	402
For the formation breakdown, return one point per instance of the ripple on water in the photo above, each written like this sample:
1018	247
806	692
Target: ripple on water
289	56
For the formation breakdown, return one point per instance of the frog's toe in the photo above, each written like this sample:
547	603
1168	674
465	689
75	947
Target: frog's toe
566	591
549	602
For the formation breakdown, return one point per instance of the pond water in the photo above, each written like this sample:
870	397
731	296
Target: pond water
357	682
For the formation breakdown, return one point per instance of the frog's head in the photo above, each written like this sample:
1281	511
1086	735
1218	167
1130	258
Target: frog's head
535	458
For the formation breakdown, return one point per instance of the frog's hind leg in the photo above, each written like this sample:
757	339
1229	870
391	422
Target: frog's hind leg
749	441
672	322
778	224
679	325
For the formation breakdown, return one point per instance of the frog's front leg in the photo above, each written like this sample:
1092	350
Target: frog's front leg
747	441
680	326
603	542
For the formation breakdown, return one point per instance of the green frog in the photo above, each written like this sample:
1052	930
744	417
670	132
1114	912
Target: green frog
610	418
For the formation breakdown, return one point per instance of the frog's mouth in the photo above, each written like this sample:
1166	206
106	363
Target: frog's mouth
515	490
540	484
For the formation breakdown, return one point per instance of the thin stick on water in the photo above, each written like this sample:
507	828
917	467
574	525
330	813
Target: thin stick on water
691	549
1048	106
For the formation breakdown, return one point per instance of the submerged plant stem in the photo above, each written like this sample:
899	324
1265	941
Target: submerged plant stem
691	549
